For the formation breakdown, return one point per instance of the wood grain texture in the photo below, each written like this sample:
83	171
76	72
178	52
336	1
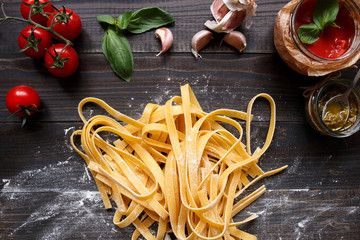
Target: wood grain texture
295	144
229	80
294	214
46	191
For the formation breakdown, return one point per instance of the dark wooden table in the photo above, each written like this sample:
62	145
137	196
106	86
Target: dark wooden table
46	191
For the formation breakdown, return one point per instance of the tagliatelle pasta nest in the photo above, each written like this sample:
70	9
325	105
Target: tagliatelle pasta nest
175	166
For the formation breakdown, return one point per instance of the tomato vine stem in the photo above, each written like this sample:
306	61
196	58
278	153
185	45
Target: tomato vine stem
37	25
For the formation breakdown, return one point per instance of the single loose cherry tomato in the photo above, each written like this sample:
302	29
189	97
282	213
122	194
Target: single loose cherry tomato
40	11
34	42
22	101
64	64
67	24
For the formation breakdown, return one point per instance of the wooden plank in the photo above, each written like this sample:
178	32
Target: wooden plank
217	83
46	190
40	158
283	214
190	17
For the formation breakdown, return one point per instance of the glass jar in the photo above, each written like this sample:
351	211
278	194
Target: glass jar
354	11
317	99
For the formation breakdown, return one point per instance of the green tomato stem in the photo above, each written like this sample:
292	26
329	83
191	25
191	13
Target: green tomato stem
30	21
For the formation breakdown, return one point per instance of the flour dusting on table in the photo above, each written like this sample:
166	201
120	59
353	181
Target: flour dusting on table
60	204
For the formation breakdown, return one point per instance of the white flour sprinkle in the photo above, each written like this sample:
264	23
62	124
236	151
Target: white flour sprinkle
38	151
56	202
79	208
35	180
67	134
6	181
298	215
56	184
68	129
86	176
158	100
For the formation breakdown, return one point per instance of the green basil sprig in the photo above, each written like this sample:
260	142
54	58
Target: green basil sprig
324	15
117	51
116	47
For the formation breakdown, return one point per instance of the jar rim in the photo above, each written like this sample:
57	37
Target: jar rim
321	90
351	6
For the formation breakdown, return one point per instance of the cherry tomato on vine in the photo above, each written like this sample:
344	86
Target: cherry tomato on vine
34	41
40	10
22	101
64	64
67	24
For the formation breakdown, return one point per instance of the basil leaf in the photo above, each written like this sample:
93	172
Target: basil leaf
308	33
325	12
333	24
146	19
123	20
117	51
107	19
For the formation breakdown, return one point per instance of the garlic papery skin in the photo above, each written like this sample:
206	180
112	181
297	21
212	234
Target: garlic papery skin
219	26
199	41
230	14
235	39
166	38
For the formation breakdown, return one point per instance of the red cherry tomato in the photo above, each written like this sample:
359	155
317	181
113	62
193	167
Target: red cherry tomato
43	7
36	43
67	25
62	65
22	101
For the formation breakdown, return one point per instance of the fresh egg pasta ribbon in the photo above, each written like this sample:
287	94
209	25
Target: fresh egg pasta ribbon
176	168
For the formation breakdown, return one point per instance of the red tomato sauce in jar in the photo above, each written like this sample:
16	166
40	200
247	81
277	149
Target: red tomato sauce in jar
333	41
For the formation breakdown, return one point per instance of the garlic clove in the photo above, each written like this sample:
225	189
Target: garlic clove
235	39
219	26
166	38
235	20
199	41
219	10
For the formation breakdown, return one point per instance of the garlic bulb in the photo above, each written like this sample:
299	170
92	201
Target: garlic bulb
199	41
166	38
230	14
